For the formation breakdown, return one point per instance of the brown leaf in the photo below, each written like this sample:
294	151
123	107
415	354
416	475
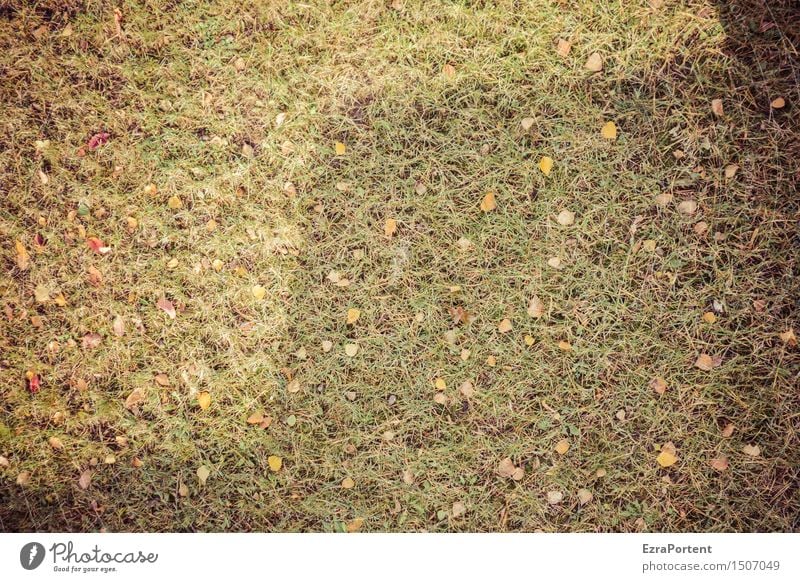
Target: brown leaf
751	450
85	480
562	447
161	379
717	108
94	276
136	397
488	203
719	463
659	385
390	227
707	363
536	307
118	326
505	326
166	305
23	258
563	47
91	341
594	63
554	497
727	432
788	337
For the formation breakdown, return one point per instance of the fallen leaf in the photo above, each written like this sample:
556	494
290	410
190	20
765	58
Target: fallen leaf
408	477
41	293
94	276
98	245
465	354
34	383
565	218
467	389
506	467
23	478
527	123
56	443
491	361
85	479
98	139
348	483
166	306
440	399
91	340
545	165
355	525
730	170
564	346
666	458
659	385
327	346
390	227
609	130
352	315
340	148
664	198
505	326
440	384
275	463
293	387
562	447
459	509
536	307
162	379
778	103
709	317
255	418
751	450
563	47
136	463
204	400
788	337
4	462
259	292
203	473
23	258
727	432
554	497
351	349
707	363
448	70
687	207
717	108
584	496
528	339
118	327
554	262
488	203
594	63
719	463
135	398
174	202
183	490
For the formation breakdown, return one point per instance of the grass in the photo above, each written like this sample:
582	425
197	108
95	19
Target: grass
189	94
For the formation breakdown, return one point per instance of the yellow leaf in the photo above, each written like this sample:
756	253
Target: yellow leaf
505	326
259	292
491	361
204	400
390	227
545	165
352	315
666	459
529	340
609	131
562	447
275	463
217	265
174	202
565	346
709	317
340	148
488	203
440	384
23	258
348	483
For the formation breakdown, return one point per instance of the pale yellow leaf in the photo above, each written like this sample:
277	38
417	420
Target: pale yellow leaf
275	463
609	130
546	165
340	148
352	315
562	447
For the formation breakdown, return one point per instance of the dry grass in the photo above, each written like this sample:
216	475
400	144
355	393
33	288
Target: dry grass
179	112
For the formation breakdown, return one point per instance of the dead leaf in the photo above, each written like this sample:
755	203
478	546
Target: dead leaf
136	397
94	276
527	123
204	400
85	480
505	326
667	457
98	246
751	450
609	131
594	63
275	463
259	292
709	317
562	447
340	148
730	170
352	315
506	467
565	218
440	399
166	306
687	207
91	340
327	346
564	346
467	389
563	47
546	165
788	337
727	432
448	70
390	227
707	363
56	443
536	307
255	418
23	258
203	473
162	379
488	203
659	385
118	327
41	293
717	108
348	483
778	103
293	387
584	496
23	478
351	349
554	497
719	463
459	509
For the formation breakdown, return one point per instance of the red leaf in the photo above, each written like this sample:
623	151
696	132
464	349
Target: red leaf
97	245
97	140
167	306
33	382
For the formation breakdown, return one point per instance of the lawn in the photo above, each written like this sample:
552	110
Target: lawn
399	265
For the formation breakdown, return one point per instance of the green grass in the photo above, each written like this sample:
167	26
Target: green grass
370	75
